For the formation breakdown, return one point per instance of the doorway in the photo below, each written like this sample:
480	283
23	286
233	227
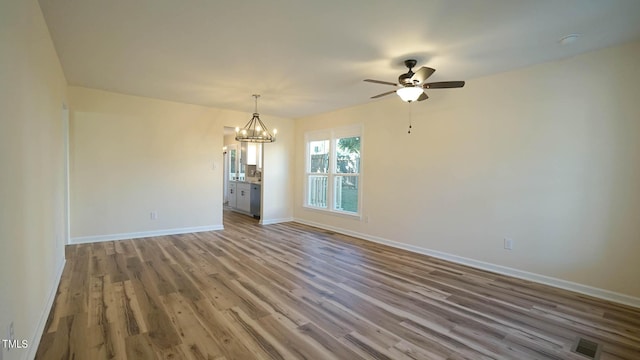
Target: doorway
242	177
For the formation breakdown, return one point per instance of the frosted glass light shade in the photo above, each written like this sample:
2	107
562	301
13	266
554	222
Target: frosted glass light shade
409	94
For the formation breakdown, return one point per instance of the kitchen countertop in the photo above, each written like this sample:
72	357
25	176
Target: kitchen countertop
247	182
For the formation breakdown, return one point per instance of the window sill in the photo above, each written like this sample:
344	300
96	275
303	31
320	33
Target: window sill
337	213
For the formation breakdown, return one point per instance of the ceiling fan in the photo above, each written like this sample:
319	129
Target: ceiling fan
411	85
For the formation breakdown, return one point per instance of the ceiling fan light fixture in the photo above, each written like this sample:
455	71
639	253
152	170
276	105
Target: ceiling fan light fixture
255	130
410	86
409	93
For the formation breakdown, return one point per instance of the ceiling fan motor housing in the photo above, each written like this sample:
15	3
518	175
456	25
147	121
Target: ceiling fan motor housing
411	63
405	79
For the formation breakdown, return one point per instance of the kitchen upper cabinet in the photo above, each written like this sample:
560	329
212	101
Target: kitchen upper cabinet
233	160
253	154
236	166
241	155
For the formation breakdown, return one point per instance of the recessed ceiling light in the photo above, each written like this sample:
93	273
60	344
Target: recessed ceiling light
569	39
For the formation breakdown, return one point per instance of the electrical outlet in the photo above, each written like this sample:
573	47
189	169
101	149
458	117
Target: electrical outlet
366	219
153	215
508	244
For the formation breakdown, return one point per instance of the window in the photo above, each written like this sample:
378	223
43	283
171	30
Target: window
333	173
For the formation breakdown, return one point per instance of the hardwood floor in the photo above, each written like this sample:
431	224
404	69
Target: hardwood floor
289	291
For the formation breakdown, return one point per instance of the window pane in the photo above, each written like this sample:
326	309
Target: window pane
346	193
317	191
319	156
348	155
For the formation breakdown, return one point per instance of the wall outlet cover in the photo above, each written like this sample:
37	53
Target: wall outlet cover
508	244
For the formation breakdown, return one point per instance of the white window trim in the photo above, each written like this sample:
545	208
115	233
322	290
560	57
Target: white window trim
332	135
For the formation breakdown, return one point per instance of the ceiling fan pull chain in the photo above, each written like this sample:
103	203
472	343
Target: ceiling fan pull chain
410	112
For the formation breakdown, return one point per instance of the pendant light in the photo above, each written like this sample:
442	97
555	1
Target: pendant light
255	131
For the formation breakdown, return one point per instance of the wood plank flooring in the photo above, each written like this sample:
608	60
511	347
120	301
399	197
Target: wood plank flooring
289	291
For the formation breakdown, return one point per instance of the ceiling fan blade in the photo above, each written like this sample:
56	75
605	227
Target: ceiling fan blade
383	94
423	96
421	75
444	85
381	82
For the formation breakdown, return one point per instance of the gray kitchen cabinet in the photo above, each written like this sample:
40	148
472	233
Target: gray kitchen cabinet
243	197
231	196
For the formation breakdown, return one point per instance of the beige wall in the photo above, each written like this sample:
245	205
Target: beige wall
277	201
547	155
32	179
132	155
230	139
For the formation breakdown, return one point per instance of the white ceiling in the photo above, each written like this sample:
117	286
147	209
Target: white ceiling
310	56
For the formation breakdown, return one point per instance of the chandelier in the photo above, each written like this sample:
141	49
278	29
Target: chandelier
255	130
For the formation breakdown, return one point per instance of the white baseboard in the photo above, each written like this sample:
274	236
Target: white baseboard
275	221
143	234
520	274
35	338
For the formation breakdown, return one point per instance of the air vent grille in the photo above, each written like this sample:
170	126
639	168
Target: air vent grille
587	348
